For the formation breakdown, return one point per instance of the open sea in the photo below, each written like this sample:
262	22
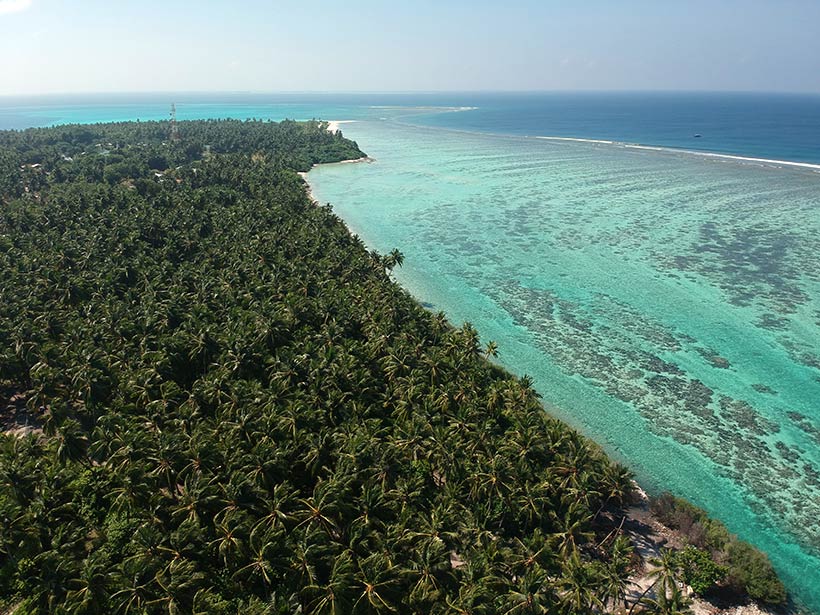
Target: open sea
662	288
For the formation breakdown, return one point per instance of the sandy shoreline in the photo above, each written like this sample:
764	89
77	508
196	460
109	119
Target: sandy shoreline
648	536
334	126
309	188
646	533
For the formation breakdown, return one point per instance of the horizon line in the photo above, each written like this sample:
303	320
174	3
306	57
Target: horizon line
406	92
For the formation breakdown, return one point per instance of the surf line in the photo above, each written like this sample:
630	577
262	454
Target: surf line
767	161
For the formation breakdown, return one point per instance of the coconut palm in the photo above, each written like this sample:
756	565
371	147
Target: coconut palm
88	590
377	580
580	585
664	576
531	593
335	596
672	602
616	572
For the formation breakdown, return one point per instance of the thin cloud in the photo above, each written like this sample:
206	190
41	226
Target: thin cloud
13	6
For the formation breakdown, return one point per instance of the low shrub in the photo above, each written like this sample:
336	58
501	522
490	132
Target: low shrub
748	570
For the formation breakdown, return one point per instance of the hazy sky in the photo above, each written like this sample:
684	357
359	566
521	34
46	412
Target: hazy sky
172	45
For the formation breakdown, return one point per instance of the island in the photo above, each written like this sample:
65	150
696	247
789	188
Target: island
216	399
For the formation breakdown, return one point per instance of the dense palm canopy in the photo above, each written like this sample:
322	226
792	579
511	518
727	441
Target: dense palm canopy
242	412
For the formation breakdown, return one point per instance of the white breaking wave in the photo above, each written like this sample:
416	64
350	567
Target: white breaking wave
580	140
422	108
749	159
784	163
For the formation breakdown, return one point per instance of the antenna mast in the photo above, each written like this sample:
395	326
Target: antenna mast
174	128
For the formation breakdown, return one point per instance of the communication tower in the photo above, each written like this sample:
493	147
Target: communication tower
174	127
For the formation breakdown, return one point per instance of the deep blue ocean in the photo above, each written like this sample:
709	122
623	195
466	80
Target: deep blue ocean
774	126
783	127
661	288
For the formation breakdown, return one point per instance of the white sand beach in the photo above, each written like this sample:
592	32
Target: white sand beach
334	126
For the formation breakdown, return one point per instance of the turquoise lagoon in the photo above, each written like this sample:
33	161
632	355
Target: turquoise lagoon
666	304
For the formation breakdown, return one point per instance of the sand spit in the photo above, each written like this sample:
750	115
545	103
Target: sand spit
334	126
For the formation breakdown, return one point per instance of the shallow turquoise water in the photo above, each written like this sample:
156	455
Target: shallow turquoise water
667	305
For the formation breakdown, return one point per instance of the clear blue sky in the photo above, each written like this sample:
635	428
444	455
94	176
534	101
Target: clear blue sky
324	45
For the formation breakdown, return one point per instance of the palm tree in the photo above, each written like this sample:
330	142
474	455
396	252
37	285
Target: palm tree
46	581
378	582
672	603
616	572
666	570
88	591
262	546
491	350
664	577
194	500
178	583
333	597
580	585
533	593
572	526
432	573
277	507
533	551
391	260
531	503
72	442
320	510
136	591
616	483
230	541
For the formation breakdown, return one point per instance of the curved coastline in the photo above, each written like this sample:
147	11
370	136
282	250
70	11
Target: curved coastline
512	138
646	531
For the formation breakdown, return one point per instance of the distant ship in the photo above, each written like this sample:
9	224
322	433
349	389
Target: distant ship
697	136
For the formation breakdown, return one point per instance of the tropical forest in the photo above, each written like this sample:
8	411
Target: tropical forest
215	399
